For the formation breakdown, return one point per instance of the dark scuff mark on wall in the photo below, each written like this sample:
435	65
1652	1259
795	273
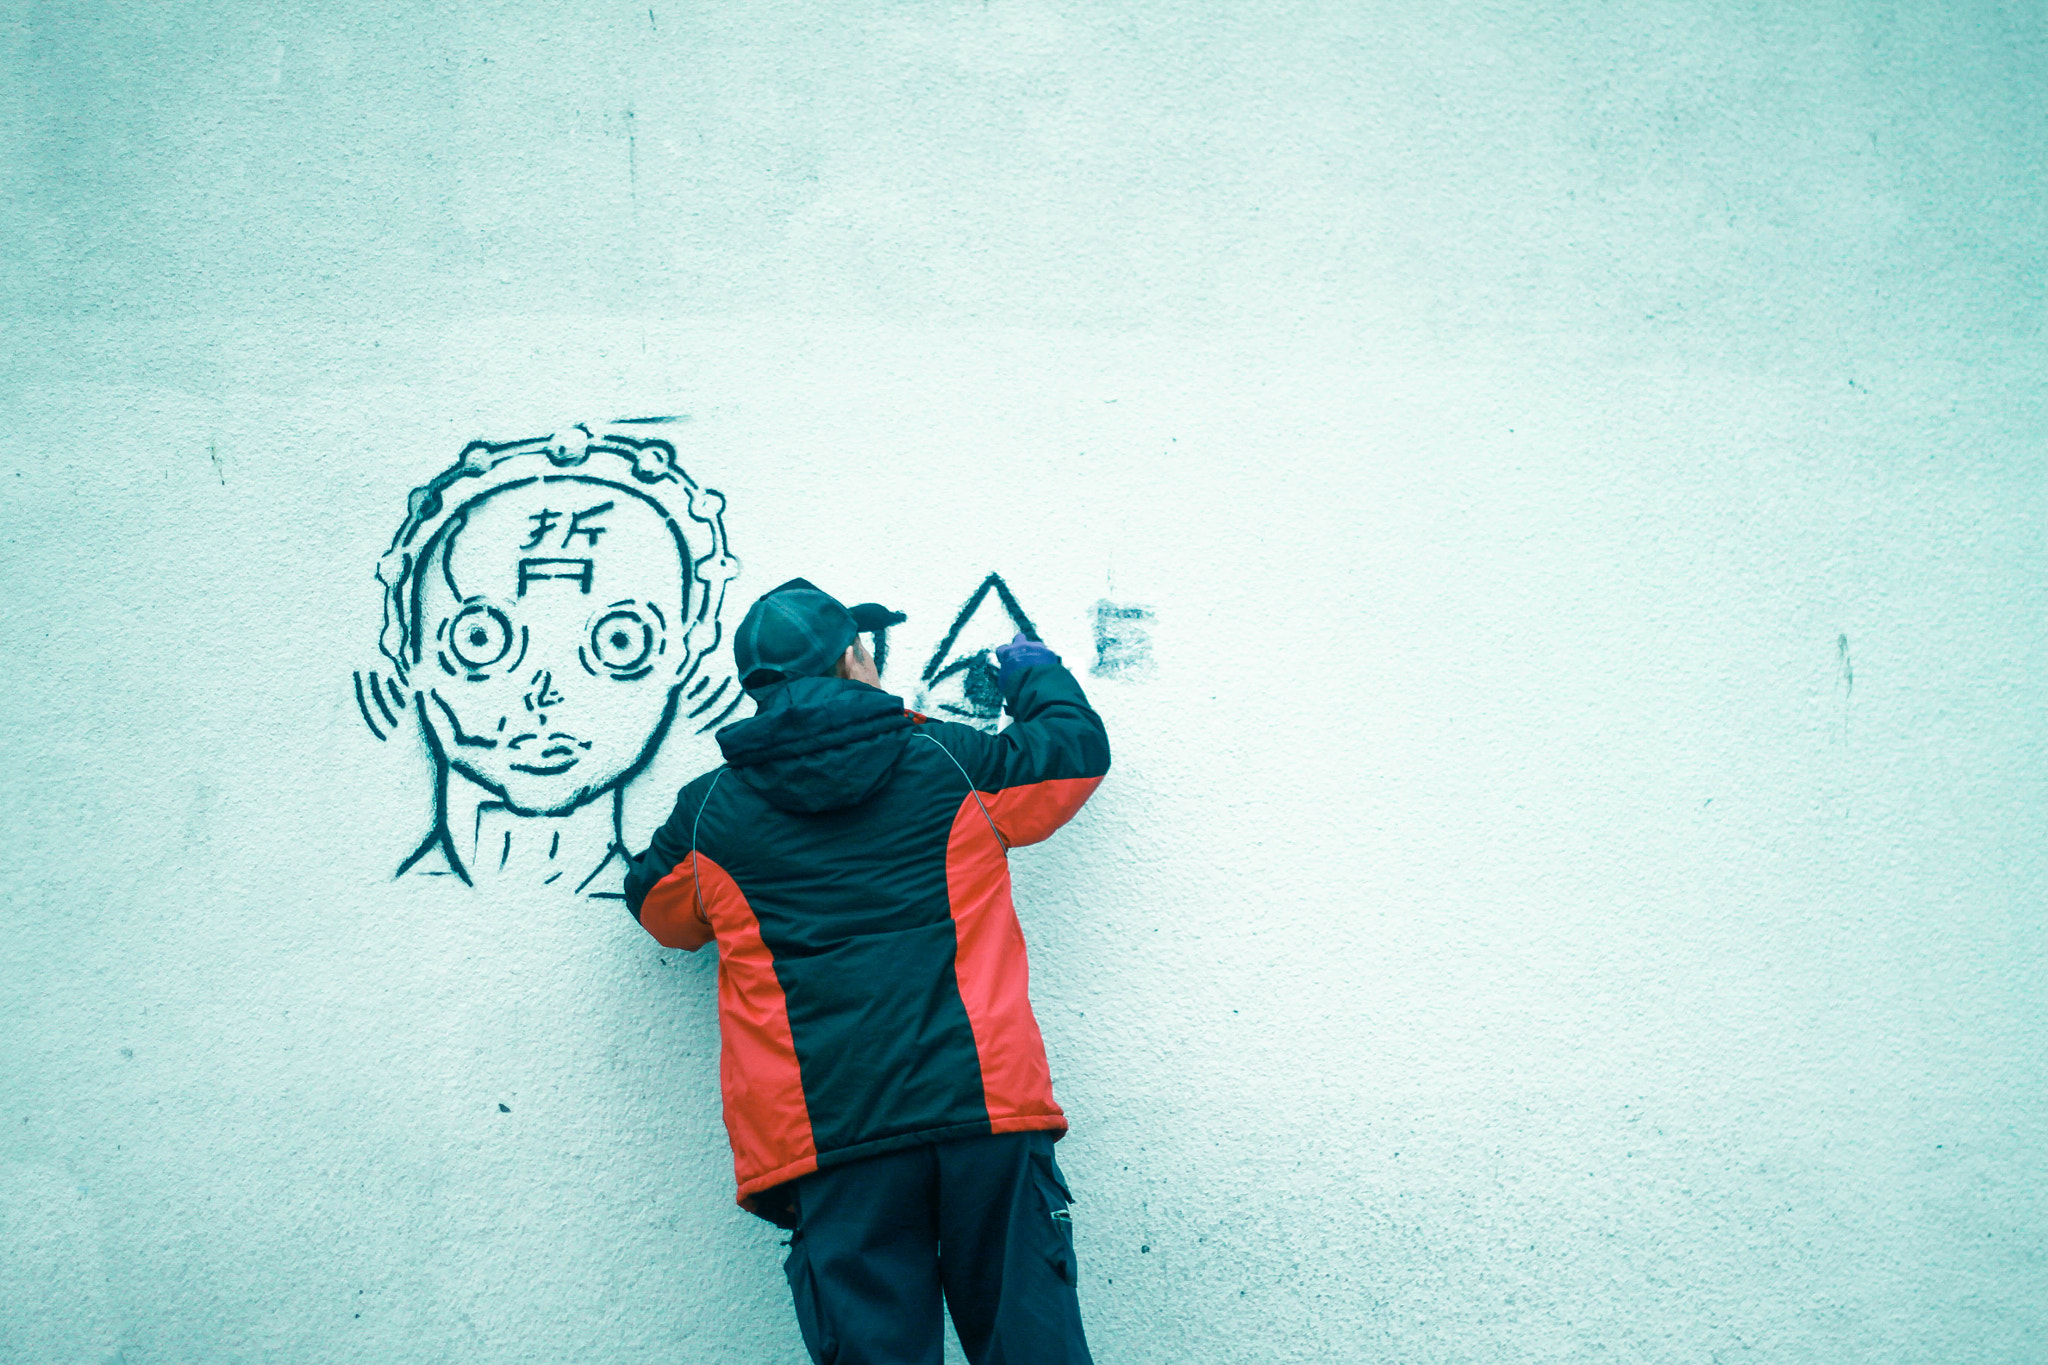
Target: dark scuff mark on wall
1123	640
1845	678
633	159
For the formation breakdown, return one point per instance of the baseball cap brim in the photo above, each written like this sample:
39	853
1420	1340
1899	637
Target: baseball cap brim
870	617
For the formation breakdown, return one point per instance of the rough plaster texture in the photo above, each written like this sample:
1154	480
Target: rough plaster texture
1572	886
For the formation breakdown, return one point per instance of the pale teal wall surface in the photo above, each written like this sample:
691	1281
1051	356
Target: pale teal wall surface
1574	879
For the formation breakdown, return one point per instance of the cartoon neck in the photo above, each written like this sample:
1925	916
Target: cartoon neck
494	843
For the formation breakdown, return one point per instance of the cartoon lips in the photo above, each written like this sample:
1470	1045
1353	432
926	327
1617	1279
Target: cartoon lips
559	754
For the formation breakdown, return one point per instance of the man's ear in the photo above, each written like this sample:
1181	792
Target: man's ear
379	701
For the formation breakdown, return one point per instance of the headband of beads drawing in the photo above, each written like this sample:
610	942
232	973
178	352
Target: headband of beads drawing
606	455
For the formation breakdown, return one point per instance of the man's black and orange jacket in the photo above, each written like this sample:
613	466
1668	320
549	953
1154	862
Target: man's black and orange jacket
849	859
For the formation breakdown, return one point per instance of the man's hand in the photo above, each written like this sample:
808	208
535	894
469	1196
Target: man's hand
1019	655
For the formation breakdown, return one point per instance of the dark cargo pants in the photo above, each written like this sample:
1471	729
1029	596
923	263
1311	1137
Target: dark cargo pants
982	1221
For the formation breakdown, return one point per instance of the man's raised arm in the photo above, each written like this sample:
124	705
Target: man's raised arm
1037	773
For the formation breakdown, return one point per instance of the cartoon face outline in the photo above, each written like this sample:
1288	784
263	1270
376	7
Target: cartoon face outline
502	606
544	646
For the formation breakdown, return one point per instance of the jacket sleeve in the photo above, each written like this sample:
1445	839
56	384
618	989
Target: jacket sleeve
1037	773
661	884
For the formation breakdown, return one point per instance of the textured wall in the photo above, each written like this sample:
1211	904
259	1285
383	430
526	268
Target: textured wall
1572	886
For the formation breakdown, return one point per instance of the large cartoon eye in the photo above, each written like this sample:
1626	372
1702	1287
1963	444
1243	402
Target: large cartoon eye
479	635
624	639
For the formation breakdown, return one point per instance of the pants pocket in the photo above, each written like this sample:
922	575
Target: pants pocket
1056	1211
803	1292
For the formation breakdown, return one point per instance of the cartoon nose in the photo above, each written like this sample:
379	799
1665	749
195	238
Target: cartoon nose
543	693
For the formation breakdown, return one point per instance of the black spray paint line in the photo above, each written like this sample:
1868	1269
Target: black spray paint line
711	700
455	730
1002	590
369	724
377	696
438	838
541	569
371	689
719	719
979	687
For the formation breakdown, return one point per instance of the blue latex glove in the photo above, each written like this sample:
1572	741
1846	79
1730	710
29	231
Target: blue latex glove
1019	655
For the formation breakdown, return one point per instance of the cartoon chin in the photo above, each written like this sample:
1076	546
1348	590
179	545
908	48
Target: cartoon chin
549	789
548	795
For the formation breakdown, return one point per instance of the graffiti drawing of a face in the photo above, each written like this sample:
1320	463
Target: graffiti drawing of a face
545	619
546	614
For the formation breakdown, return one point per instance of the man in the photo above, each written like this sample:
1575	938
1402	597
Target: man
886	1088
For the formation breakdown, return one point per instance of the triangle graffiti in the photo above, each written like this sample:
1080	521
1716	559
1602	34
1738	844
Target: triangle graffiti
960	681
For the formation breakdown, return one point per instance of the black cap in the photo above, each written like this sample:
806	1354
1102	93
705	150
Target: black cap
798	630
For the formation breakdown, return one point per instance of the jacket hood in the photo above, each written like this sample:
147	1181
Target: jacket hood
818	744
